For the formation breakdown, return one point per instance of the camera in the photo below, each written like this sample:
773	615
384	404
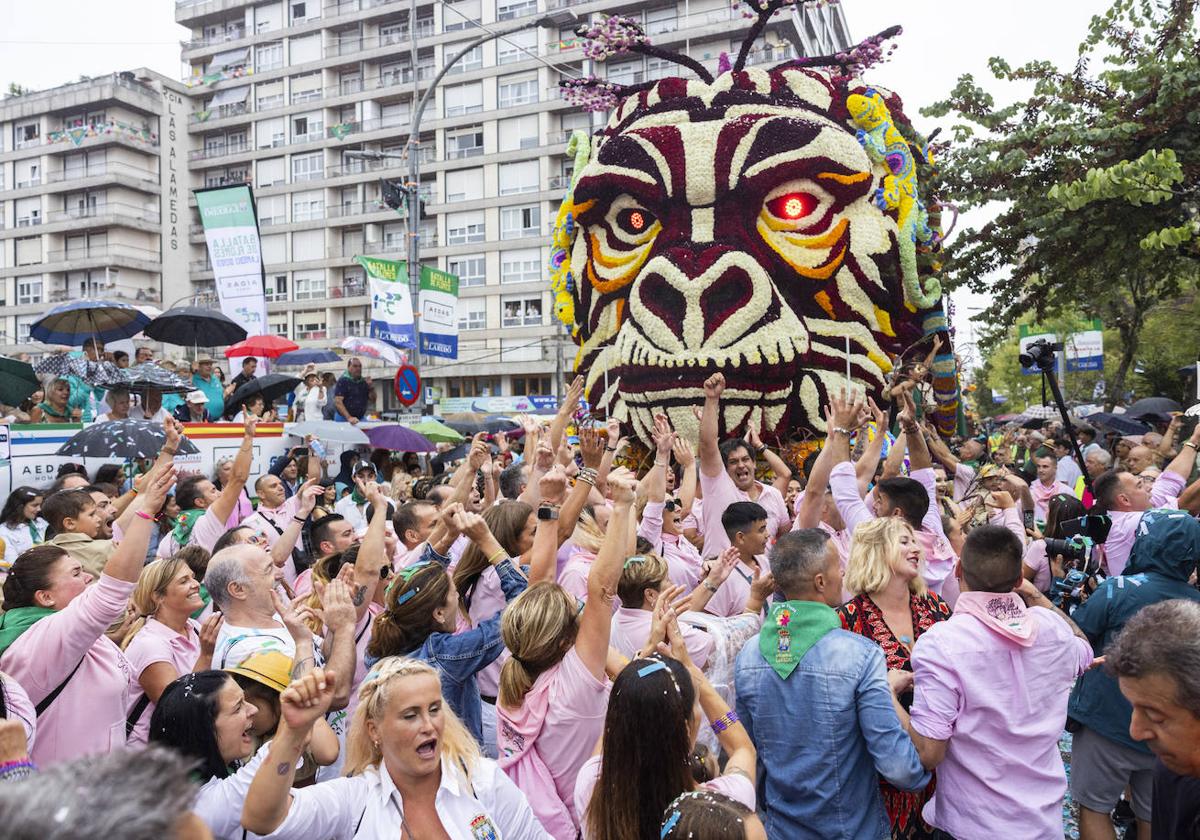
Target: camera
1078	549
1040	355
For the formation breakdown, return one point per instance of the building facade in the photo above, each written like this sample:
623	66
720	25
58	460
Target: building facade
281	95
93	183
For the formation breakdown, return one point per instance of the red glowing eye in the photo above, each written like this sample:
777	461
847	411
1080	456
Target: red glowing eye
635	220
792	206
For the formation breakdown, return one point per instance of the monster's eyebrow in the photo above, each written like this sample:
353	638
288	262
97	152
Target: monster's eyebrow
838	177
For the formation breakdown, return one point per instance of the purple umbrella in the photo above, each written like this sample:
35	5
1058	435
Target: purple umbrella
399	439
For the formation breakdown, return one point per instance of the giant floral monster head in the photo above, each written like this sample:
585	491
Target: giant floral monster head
766	224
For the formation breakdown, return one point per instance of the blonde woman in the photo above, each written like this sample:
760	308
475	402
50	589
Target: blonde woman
412	768
586	540
892	607
164	642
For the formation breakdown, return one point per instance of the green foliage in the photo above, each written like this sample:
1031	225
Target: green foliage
1091	172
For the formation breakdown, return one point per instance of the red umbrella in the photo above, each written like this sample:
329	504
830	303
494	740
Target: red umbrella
267	346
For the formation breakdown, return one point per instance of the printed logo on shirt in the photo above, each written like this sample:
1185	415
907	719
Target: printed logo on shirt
1004	610
483	828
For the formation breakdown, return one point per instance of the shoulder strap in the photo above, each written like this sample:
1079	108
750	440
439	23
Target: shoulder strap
135	714
53	695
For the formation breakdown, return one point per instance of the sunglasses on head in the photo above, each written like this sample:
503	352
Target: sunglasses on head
671	505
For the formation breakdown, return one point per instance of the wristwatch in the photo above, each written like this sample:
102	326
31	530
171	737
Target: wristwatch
711	587
547	514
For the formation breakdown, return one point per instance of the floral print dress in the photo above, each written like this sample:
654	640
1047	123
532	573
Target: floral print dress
863	616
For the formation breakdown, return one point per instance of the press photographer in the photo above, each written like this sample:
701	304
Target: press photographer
1104	757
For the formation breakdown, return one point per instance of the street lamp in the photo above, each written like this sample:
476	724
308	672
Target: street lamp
411	190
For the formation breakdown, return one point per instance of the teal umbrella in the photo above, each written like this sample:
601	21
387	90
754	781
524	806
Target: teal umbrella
17	381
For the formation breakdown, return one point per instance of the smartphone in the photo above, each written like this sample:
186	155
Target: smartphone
1028	517
317	448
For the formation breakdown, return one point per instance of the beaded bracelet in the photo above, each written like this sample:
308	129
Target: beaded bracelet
145	516
725	721
14	770
501	553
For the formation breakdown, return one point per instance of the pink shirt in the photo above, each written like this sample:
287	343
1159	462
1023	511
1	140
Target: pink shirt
735	786
574	576
631	629
88	716
487	600
156	642
720	492
18	707
730	599
683	560
1001	706
544	743
1036	559
1041	496
271	523
1164	494
205	533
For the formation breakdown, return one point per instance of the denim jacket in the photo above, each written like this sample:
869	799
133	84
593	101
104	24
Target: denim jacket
824	736
460	656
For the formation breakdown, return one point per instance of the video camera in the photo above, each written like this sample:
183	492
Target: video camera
1039	354
1078	549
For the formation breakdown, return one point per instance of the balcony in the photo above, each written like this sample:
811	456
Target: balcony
559	182
234	34
771	55
219	150
72	138
512	11
236	109
112	168
114	212
115	252
228	180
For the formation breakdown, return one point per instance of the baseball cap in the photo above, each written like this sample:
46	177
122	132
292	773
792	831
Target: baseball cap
271	668
197	397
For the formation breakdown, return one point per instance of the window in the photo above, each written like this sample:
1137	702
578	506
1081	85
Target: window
460	15
465	142
520	177
519	46
268	95
277	289
270	133
397	113
272	209
661	20
509	9
522	311
470	270
308	167
463	99
520	89
518	133
308	285
625	72
308	205
277	324
28	211
304	10
29	173
464	228
472	313
268	56
29	250
531	386
274	248
392	33
516	222
304	50
521	266
24	324
464	185
472	60
29	290
306	88
350	82
308	245
267	18
310	325
26	134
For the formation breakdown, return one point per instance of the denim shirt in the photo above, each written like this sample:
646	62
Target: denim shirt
824	736
460	656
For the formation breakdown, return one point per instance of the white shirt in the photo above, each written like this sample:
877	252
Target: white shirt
312	400
138	413
237	644
368	806
18	538
352	513
219	802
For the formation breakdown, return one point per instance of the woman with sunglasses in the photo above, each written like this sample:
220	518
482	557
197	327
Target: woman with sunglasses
21	526
660	517
421	616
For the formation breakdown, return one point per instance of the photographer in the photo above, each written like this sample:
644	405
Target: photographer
1037	566
1104	757
1124	497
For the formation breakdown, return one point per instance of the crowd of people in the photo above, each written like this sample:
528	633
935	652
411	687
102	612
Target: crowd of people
552	639
70	397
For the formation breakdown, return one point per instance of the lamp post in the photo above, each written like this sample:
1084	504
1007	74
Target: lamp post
412	188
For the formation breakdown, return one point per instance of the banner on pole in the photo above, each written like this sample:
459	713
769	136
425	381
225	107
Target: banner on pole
391	303
1085	348
439	313
231	231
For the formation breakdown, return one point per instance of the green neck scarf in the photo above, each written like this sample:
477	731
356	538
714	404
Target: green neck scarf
357	497
182	532
205	597
791	628
16	621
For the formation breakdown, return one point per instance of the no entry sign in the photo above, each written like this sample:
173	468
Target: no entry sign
407	385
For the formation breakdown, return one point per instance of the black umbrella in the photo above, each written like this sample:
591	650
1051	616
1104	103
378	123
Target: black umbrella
64	364
271	387
17	381
192	326
1159	406
146	377
471	423
125	439
1122	423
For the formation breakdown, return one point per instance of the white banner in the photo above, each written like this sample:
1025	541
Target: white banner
231	231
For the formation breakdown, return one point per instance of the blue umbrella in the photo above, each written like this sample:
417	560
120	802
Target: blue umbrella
297	358
1118	423
72	323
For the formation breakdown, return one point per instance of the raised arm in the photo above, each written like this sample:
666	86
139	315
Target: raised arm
654	485
595	624
1167	445
813	503
918	450
540	459
565	411
1185	461
372	554
940	451
687	480
223	507
307	495
543	560
868	462
710	452
591	449
129	556
779	468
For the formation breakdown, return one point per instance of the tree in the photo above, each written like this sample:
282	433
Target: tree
1045	255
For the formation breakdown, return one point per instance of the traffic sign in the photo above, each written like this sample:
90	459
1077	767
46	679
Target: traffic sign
407	385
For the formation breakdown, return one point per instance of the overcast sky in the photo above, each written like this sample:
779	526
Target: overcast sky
44	43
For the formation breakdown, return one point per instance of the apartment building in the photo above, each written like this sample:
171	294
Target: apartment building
93	196
282	91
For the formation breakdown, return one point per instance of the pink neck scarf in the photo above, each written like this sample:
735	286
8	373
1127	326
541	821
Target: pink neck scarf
1001	612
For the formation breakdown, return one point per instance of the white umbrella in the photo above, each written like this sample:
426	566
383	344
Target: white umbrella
327	430
375	349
